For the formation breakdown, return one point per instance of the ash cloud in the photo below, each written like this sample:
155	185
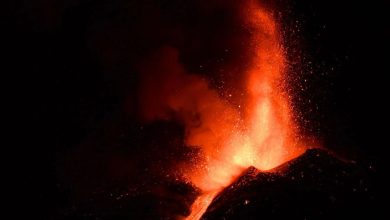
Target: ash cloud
171	69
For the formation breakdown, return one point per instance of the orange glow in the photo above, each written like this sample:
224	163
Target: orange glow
264	136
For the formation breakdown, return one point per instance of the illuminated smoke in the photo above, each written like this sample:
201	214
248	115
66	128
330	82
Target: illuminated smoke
260	133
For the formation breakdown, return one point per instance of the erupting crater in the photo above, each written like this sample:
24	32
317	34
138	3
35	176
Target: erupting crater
263	133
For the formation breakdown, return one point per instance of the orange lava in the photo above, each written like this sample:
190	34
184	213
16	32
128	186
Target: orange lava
264	136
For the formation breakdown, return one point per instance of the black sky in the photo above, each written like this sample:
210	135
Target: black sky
74	87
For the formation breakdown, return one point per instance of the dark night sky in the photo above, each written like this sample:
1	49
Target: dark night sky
74	64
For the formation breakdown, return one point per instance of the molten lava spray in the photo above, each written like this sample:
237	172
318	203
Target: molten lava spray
265	137
259	133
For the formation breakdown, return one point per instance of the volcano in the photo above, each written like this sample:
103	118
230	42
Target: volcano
316	185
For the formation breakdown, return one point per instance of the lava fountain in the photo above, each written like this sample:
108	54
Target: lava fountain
264	135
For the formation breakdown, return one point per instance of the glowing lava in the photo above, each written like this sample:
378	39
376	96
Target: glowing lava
265	136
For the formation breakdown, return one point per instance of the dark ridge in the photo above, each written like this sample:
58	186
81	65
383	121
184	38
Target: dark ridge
316	185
